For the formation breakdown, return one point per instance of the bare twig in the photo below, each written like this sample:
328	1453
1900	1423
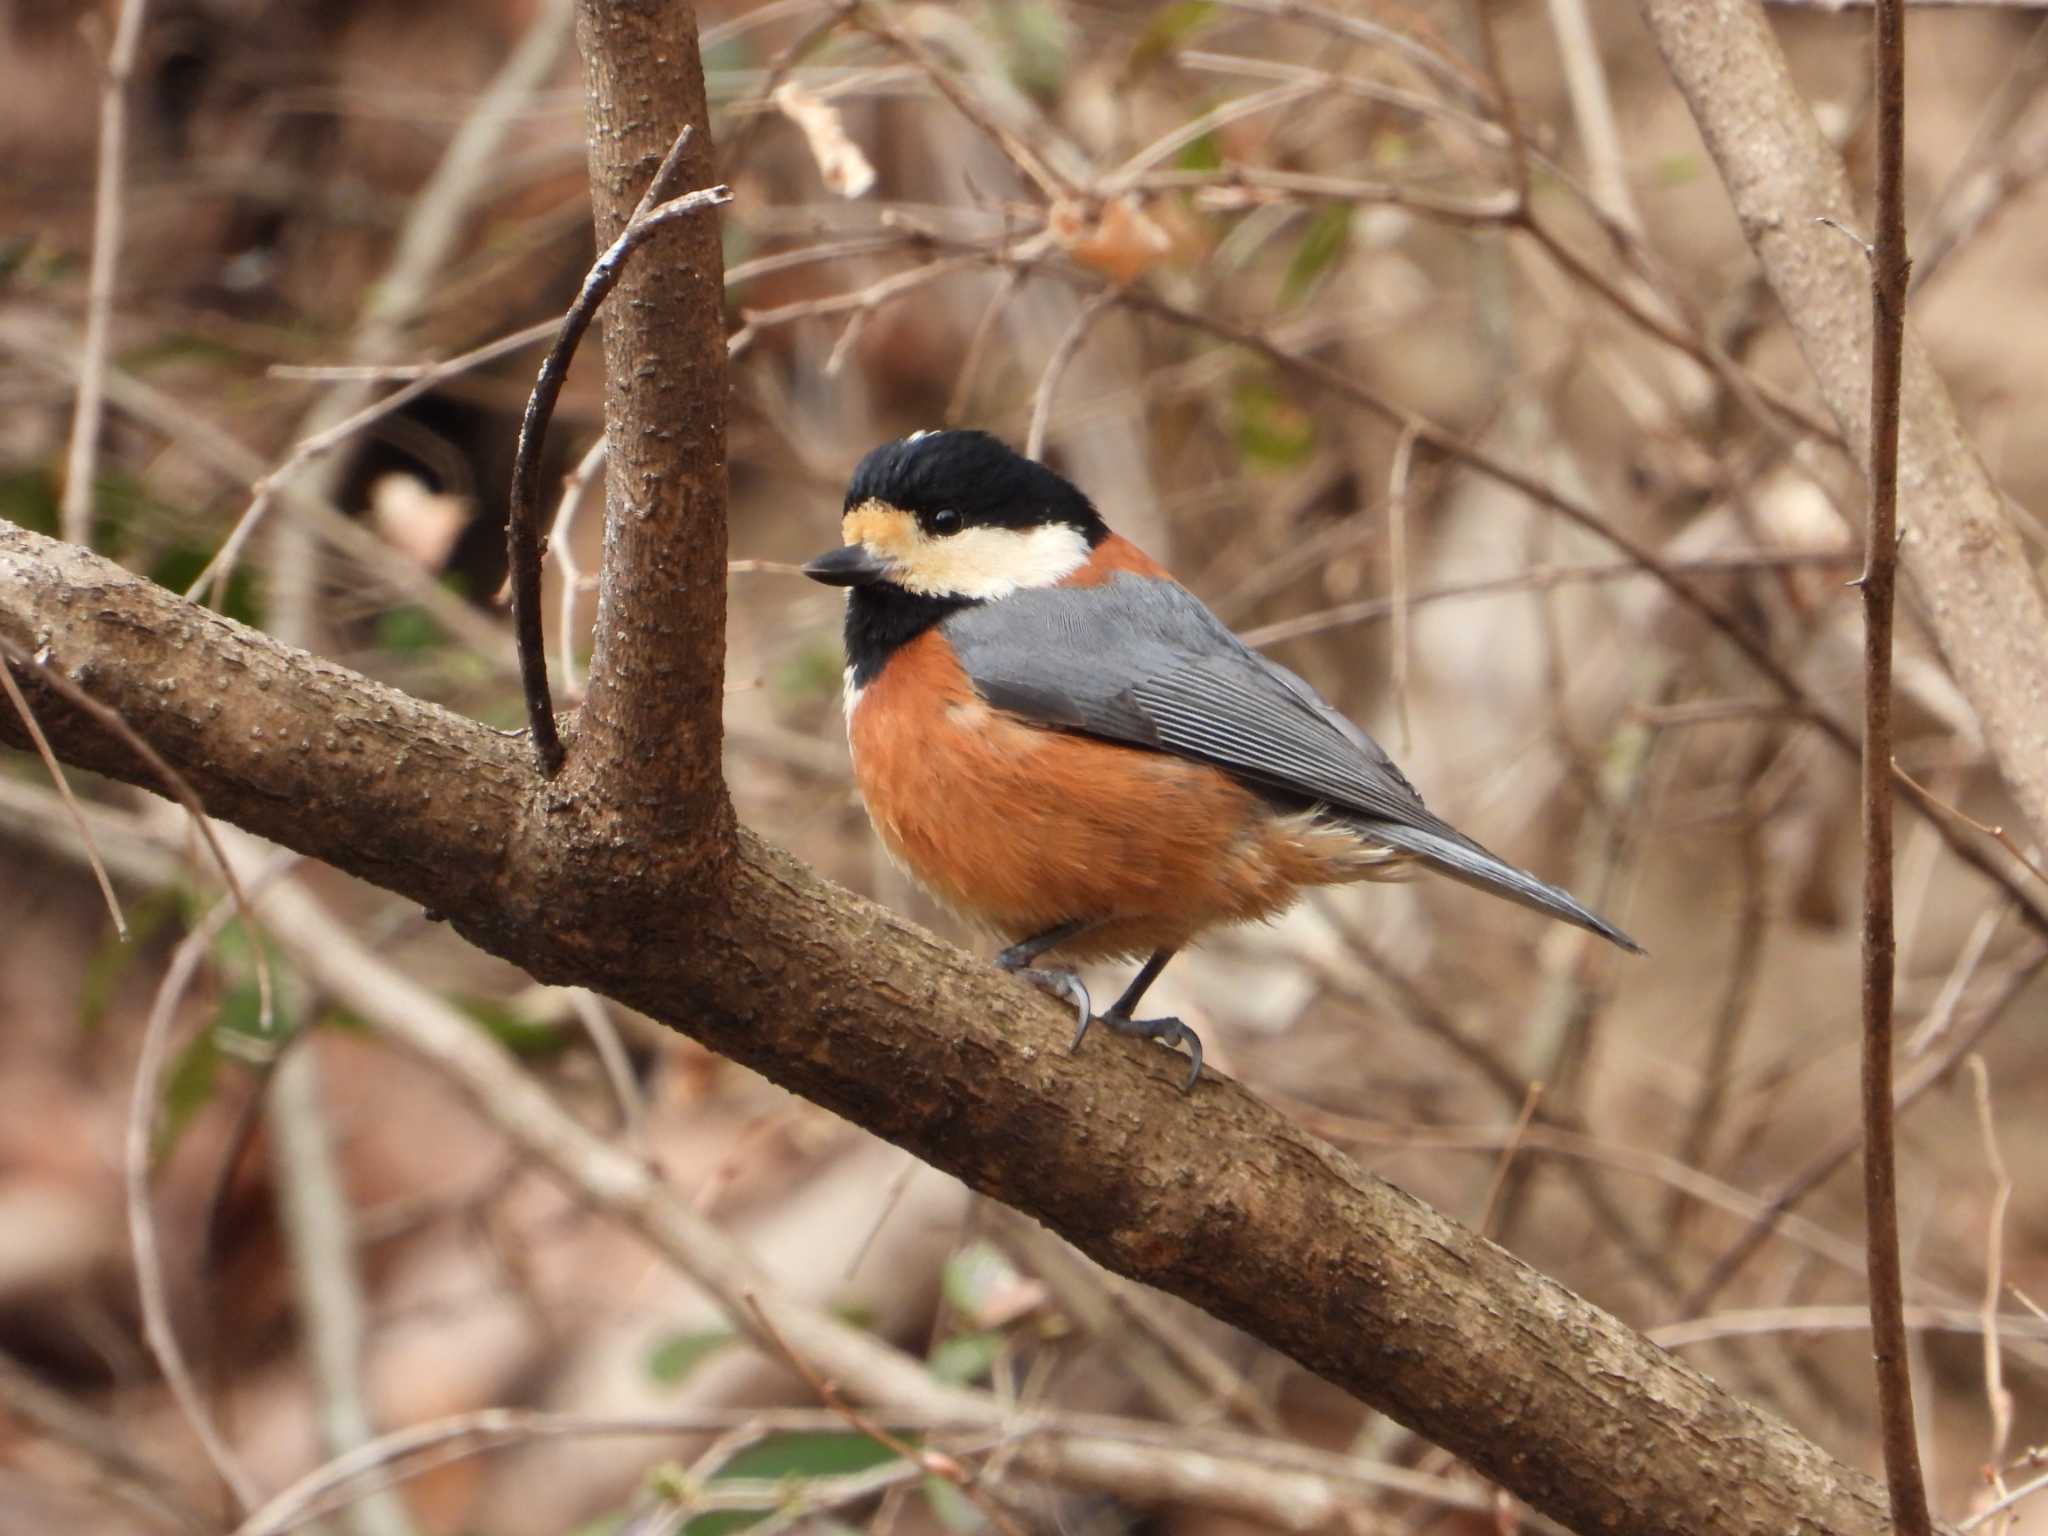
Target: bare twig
1997	1398
71	807
934	1463
2025	1490
1890	269
483	1430
1817	1172
1593	112
157	1328
319	1227
108	207
1055	366
440	1442
1982	598
523	523
1504	102
1498	1180
970	360
1756	1322
596	1019
1703	1119
1933	805
561	545
1398	597
876	19
1935	1022
420	379
1441	66
1276	1483
1910	1090
145	1488
1535	579
169	778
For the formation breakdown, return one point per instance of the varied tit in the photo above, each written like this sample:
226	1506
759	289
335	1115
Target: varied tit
1062	743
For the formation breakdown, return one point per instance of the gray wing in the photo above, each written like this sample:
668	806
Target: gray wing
1146	663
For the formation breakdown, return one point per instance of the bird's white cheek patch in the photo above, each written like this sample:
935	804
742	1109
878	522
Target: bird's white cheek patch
850	698
988	563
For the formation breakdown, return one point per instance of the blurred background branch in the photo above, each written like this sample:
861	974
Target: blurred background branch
1259	277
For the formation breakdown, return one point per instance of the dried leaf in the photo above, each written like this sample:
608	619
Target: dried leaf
844	169
1118	239
418	521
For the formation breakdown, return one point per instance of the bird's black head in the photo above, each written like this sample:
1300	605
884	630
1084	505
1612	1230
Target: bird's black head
979	479
942	520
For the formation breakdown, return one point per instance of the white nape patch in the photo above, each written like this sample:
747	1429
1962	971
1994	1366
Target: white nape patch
987	563
922	434
850	699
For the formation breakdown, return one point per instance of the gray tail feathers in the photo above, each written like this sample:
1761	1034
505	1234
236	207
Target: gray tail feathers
1462	859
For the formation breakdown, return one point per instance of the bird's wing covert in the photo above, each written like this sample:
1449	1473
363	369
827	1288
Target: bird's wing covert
1145	662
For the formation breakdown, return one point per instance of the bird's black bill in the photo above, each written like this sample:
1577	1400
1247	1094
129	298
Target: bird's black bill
851	566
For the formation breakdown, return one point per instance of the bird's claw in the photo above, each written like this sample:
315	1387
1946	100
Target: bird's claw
1068	988
1065	986
1170	1033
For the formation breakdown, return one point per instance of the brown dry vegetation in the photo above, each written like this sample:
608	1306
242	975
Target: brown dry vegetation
1584	725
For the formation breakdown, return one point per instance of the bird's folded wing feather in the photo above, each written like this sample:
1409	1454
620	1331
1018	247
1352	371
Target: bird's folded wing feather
1143	662
1146	663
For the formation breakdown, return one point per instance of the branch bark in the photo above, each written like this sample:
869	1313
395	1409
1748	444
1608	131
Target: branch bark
1889	271
627	875
1221	1201
1976	589
650	728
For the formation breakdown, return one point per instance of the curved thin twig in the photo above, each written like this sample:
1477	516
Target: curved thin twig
523	541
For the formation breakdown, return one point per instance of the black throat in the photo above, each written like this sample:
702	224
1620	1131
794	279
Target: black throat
883	618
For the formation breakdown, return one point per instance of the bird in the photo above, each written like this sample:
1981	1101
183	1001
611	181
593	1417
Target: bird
1062	743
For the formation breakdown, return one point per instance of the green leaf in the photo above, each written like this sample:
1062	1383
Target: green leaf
188	1088
1170	27
517	1032
676	1355
178	346
1037	42
955	1511
1202	154
810	673
1327	237
967	1358
408	630
1678	170
855	1314
975	1275
179	566
796	1457
808	1453
113	958
1272	431
28	497
240	1023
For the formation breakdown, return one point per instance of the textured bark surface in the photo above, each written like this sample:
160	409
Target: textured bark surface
651	727
626	874
1960	551
1216	1197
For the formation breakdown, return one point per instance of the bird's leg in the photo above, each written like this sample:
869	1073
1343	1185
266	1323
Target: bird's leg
1058	980
1170	1033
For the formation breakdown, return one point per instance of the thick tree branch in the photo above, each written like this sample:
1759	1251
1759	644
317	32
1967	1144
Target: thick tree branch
649	732
1976	588
1219	1199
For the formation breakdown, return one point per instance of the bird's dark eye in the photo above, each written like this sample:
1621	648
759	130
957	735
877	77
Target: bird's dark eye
944	522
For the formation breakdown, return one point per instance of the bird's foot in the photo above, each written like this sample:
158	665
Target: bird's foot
1170	1033
1062	984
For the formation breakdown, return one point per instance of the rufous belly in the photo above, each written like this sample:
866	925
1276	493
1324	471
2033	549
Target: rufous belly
1021	828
